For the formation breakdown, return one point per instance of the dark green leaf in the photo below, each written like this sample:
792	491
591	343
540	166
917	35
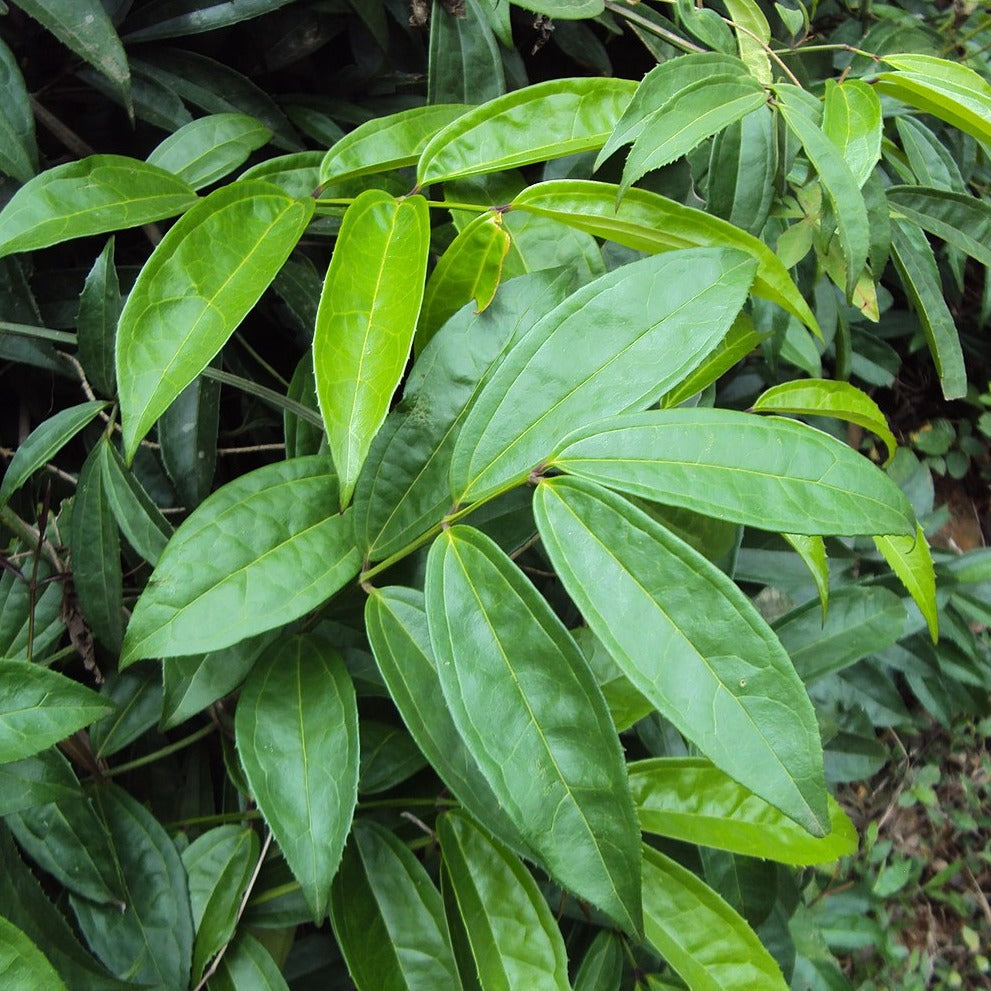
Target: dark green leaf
602	965
100	304
961	220
187	434
465	62
175	19
18	148
23	965
742	170
388	756
39	780
26	620
137	696
247	966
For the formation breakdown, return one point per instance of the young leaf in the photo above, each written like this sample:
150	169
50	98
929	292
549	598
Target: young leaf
39	780
150	938
368	311
687	798
773	473
292	552
210	148
18	148
44	442
690	641
753	37
198	285
389	918
528	709
650	222
827	397
515	941
95	195
297	735
910	559
706	941
22	964
916	266
385	143
852	121
567	372
100	304
533	124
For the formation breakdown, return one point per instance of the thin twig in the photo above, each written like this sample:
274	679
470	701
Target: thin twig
669	36
253	449
65	134
8	452
770	51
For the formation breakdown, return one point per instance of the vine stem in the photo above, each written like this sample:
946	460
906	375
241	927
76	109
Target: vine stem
767	48
186	741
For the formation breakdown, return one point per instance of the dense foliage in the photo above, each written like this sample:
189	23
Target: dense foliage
451	538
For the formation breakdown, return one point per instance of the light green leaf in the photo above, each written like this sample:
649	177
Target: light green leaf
687	798
45	778
247	966
930	160
566	372
910	559
297	736
198	285
838	181
961	220
389	142
753	37
44	442
770	473
514	938
528	709
368	311
919	275
23	965
563	9
690	641
469	270
827	397
95	195
298	174
100	304
396	621
706	941
812	550
219	865
860	621
18	148
533	124
84	26
852	121
271	546
389	918
743	167
211	147
650	222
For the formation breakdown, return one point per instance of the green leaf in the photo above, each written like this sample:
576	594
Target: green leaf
690	641
175	19
852	121
29	619
860	621
563	9
388	757
297	735
211	147
396	621
23	965
812	550
303	437
84	26
385	143
770	473
39	780
95	551
919	275
930	160
743	166
687	798
961	220
269	546
297	174
198	285
465	60
150	938
44	442
219	865
368	311
561	375
389	918
650	222
247	966
753	37
602	965
187	435
910	559
528	709
18	148
137	697
139	519
626	704
469	270
708	943
533	124
98	194
839	183
100	304
826	397
514	938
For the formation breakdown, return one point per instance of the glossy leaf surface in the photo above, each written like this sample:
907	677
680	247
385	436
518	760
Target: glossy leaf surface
95	195
770	473
272	547
547	748
23	965
514	938
718	673
852	121
297	735
687	798
365	323
199	284
909	558
568	371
